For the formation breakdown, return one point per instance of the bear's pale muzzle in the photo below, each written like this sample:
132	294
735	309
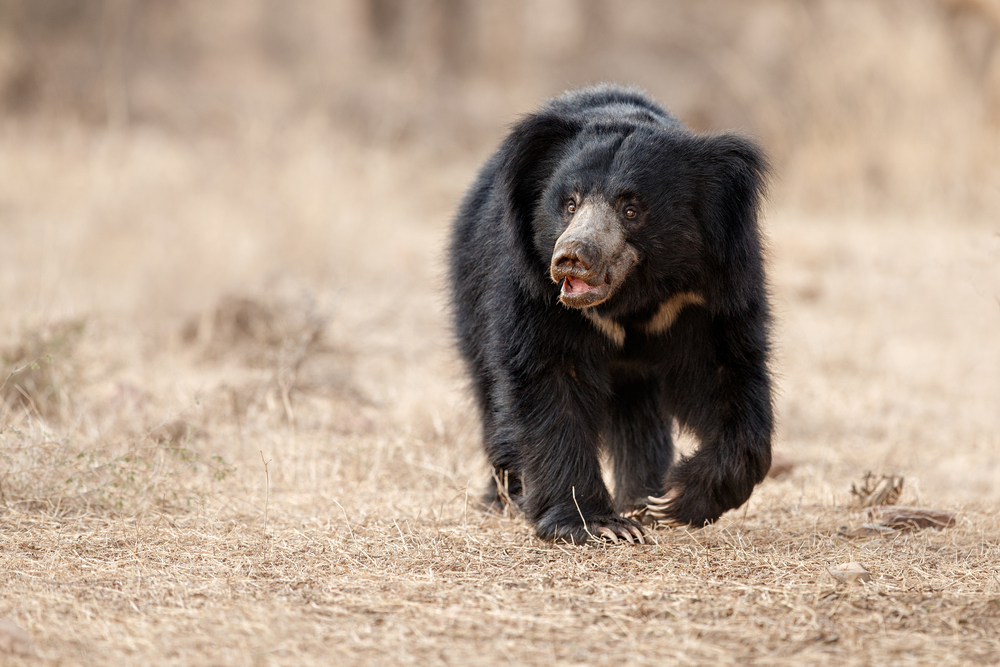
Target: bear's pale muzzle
592	257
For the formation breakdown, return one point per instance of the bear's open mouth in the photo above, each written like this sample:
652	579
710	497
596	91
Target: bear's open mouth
577	286
577	293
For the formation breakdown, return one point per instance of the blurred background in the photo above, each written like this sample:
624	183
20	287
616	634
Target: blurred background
862	104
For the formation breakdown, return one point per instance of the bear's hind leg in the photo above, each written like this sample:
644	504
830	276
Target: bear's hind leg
503	491
504	488
639	442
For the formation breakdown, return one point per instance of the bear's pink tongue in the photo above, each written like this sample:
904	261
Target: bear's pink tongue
576	286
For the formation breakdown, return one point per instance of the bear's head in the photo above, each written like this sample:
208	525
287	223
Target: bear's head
629	208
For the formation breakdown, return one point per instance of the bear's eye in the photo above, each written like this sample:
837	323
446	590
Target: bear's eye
571	207
631	213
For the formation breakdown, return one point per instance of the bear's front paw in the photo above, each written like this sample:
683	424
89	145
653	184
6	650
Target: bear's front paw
612	528
698	494
676	508
659	511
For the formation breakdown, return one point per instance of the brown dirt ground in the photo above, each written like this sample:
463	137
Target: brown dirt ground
211	305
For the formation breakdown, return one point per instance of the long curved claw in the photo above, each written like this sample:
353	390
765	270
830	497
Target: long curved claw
625	533
638	534
658	512
657	502
640	515
659	509
604	531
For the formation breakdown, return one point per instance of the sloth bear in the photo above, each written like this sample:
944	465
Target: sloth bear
606	279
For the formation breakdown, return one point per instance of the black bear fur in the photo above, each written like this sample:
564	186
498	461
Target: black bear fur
683	334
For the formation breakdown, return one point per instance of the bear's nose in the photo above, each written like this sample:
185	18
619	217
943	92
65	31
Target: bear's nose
577	256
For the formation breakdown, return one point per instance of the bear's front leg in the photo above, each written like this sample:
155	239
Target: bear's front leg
557	419
725	398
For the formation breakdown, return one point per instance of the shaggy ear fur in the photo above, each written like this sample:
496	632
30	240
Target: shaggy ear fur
530	155
527	159
732	173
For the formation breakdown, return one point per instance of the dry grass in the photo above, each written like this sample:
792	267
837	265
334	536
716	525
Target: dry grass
278	296
432	588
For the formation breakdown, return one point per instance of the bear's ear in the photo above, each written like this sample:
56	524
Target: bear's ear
528	157
732	180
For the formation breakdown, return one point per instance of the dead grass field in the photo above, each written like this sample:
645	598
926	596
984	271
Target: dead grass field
196	307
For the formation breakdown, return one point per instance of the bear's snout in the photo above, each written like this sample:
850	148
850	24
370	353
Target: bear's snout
579	267
575	257
591	257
